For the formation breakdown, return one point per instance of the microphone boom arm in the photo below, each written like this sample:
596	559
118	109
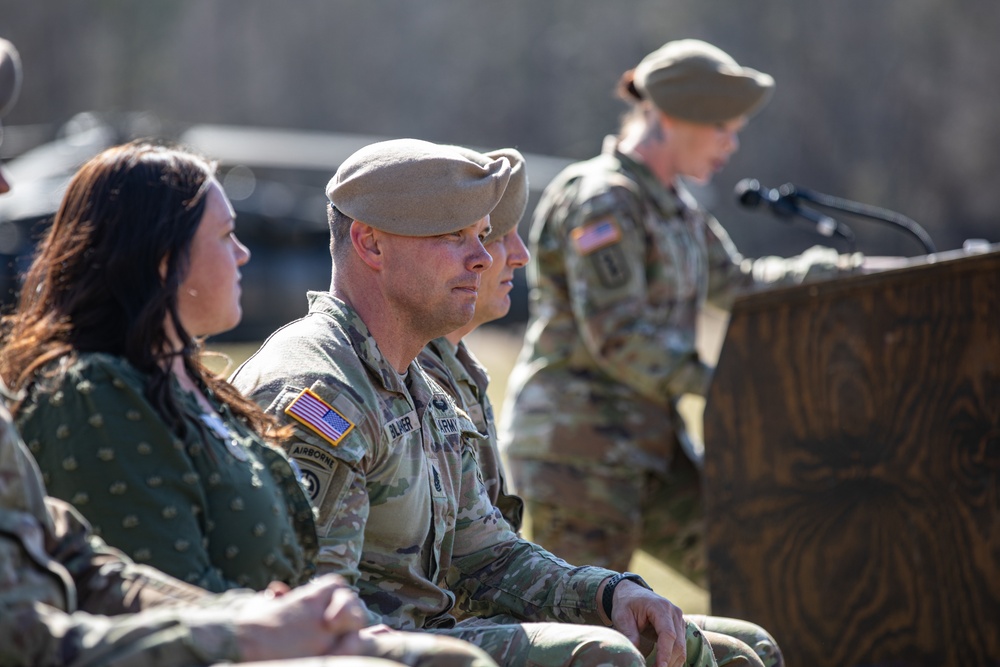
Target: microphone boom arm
867	211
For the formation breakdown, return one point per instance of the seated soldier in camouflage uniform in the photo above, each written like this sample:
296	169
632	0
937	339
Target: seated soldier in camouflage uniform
451	363
403	512
68	599
453	366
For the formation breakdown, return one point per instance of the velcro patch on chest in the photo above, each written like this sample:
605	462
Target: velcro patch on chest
596	235
447	425
320	417
400	426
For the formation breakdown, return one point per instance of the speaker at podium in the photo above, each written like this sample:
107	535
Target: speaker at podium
852	465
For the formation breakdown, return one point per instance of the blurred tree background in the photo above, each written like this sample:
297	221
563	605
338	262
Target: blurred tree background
888	102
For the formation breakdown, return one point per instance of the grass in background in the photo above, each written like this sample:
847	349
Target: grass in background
497	349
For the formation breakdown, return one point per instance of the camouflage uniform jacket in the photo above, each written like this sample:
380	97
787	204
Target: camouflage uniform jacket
59	585
458	372
218	508
620	267
403	511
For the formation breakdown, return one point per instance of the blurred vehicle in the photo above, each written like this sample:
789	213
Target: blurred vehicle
276	179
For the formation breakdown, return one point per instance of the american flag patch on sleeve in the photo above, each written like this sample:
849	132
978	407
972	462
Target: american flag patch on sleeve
312	411
596	235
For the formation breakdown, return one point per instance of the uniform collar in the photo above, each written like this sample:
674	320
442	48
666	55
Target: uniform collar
474	370
461	363
356	331
669	200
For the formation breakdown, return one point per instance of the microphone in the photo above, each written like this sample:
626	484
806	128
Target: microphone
784	203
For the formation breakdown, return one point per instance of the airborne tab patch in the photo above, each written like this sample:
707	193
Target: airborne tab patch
315	467
319	416
596	235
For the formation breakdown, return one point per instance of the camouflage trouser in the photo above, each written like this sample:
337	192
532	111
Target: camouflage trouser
591	514
401	649
732	635
419	649
338	661
514	644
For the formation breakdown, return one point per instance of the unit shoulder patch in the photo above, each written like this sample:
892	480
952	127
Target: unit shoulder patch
611	266
320	417
315	468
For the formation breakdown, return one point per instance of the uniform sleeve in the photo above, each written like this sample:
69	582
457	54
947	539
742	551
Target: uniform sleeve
633	300
628	330
50	563
36	634
105	581
343	512
332	467
500	573
102	447
730	273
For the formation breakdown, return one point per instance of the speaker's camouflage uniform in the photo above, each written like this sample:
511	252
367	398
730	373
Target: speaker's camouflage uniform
620	267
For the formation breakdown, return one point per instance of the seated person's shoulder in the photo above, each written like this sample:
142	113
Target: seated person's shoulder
332	420
432	363
94	375
298	354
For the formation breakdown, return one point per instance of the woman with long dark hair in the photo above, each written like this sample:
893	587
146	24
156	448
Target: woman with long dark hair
165	458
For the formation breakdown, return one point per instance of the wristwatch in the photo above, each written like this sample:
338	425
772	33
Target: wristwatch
607	599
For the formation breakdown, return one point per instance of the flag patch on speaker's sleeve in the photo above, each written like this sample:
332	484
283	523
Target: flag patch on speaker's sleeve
312	411
596	235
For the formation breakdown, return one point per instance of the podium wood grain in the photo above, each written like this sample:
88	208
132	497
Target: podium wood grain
852	467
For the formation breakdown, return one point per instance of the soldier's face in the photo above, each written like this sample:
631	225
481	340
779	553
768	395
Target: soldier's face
432	282
698	150
509	254
208	299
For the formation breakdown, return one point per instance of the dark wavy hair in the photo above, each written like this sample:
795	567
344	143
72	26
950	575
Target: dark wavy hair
107	273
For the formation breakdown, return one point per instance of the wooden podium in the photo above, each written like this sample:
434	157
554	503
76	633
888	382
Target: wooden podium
852	470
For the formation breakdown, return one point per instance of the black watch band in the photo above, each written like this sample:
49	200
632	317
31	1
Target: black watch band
607	599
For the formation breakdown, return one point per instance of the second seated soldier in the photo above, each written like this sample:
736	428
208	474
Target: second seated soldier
392	463
450	362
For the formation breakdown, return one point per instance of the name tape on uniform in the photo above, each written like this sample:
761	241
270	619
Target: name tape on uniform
400	426
320	417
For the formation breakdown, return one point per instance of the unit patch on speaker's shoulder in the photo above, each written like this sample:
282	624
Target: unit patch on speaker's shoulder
610	265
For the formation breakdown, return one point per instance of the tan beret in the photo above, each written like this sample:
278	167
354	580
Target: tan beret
695	81
417	188
10	76
512	205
